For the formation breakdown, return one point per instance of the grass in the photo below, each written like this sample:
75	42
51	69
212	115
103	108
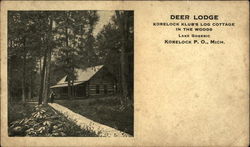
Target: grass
33	120
107	111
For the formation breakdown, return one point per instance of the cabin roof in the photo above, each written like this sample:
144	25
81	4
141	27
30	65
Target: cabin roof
82	75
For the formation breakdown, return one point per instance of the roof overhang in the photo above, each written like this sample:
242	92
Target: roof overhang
66	84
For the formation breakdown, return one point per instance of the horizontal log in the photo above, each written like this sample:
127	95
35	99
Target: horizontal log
110	85
101	90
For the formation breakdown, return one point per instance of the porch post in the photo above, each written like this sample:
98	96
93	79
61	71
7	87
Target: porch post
87	89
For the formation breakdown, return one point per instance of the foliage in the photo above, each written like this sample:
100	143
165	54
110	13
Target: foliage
114	46
35	36
45	45
74	31
44	121
24	45
18	111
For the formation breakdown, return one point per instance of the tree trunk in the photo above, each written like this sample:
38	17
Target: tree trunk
46	82
30	88
67	62
123	27
42	78
24	72
47	73
40	64
69	88
72	84
49	77
23	91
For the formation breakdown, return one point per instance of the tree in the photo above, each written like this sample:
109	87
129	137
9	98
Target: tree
74	31
45	23
48	62
22	48
30	42
114	46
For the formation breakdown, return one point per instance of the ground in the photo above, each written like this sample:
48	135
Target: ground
107	111
29	119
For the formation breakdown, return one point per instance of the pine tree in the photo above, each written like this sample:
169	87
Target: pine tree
74	29
23	40
114	46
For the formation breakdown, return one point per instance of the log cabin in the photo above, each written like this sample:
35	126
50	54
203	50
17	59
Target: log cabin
94	81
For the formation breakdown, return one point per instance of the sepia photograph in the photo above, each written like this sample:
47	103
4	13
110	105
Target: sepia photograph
124	73
70	73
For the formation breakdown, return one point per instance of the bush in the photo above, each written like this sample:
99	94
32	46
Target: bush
44	121
18	111
107	102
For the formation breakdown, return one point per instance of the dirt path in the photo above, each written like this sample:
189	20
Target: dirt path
88	124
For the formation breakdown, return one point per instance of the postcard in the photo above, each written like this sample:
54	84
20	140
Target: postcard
124	73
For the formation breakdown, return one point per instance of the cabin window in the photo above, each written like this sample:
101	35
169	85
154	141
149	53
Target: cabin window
97	89
105	89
